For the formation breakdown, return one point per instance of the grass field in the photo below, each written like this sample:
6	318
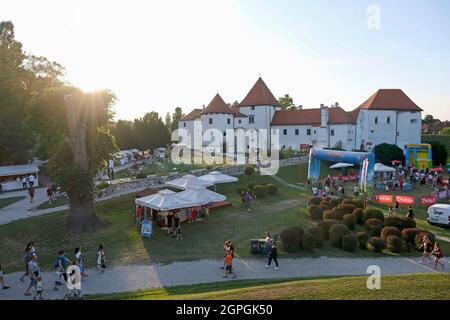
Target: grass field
8	201
57	203
404	287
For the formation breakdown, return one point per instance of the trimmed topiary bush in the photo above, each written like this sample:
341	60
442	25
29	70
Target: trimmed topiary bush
409	234
251	185
363	238
317	232
291	239
309	242
260	191
316	212
325	226
141	175
349	242
377	244
407	222
272	189
329	215
249	170
358	203
350	221
347	208
390	231
370	213
335	201
336	233
394	243
327	205
315	201
358	214
374	227
418	239
399	222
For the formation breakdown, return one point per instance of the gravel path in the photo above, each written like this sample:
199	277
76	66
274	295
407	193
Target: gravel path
138	277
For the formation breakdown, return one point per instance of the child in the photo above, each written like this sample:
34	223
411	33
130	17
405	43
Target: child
437	255
2	281
101	258
39	289
229	265
179	235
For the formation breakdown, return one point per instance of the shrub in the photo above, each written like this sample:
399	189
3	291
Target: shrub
374	227
349	242
418	239
408	234
327	204
325	226
408	222
350	221
272	189
308	242
316	231
335	201
363	237
400	222
251	185
394	243
336	233
291	239
316	212
358	214
377	244
347	208
141	175
386	152
370	213
390	231
102	185
339	213
315	201
249	170
359	203
260	191
329	215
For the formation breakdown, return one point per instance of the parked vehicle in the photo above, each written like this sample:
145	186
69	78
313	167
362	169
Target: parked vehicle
439	215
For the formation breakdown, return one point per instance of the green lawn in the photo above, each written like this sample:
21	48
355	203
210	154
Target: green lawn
403	287
4	202
299	173
57	203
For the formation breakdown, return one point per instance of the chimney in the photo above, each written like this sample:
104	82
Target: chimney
336	104
324	116
300	107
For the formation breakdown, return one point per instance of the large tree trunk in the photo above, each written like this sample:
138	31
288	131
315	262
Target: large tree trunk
82	213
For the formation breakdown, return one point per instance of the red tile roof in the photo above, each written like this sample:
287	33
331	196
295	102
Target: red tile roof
237	113
259	95
217	105
311	117
390	99
194	114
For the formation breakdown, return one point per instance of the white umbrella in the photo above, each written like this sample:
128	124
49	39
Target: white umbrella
216	177
186	181
201	195
165	200
379	167
341	165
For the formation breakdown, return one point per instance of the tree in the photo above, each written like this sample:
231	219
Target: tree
177	115
385	153
123	132
429	119
439	152
445	131
287	102
151	132
168	121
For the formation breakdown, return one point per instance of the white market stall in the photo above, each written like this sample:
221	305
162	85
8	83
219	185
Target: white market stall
216	177
11	176
186	182
379	167
201	195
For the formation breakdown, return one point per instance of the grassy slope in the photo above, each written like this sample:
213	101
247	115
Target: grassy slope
405	287
57	203
7	201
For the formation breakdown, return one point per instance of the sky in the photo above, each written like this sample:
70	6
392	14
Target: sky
158	55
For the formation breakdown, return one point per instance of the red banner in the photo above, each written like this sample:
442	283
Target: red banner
383	198
427	200
405	199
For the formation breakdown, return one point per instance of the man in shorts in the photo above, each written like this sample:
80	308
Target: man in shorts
229	265
34	271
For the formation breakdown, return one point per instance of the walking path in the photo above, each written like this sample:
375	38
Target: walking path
280	180
139	277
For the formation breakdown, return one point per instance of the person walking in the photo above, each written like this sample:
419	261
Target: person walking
206	214
39	288
138	214
31	180
273	255
228	262
26	258
49	194
356	192
202	214
80	261
189	214
24	182
396	207
101	259
267	244
60	266
410	213
437	253
427	248
2	280
34	273
31	193
176	226
169	218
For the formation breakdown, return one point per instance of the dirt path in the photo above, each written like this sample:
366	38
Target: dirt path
139	277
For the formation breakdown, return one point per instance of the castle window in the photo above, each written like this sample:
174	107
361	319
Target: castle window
239	121
376	119
228	121
332	132
210	121
252	108
284	132
296	132
251	119
413	120
388	119
184	124
308	132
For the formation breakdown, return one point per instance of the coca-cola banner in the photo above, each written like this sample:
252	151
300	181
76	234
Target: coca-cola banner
383	198
405	199
427	200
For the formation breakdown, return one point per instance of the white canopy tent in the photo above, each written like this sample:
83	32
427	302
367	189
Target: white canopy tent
10	176
379	167
186	182
165	200
201	195
216	177
340	165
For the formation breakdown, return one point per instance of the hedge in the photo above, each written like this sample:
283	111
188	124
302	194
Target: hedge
141	175
336	233
249	170
260	191
308	242
409	234
315	201
316	212
418	239
400	222
291	238
327	204
272	189
390	231
335	201
325	226
329	215
347	208
316	231
363	238
251	185
358	214
370	213
394	243
350	221
349	242
377	244
374	227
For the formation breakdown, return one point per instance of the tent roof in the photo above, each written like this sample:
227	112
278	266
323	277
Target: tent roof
165	200
201	195
187	181
216	177
16	170
379	167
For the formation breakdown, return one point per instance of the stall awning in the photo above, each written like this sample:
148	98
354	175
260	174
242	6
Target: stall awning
217	177
187	181
165	200
18	170
201	195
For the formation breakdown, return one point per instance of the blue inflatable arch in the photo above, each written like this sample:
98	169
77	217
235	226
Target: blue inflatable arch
317	155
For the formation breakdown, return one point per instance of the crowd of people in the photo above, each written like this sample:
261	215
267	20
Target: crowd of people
66	270
329	187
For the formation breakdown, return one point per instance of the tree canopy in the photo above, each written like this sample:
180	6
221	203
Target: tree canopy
287	102
385	153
